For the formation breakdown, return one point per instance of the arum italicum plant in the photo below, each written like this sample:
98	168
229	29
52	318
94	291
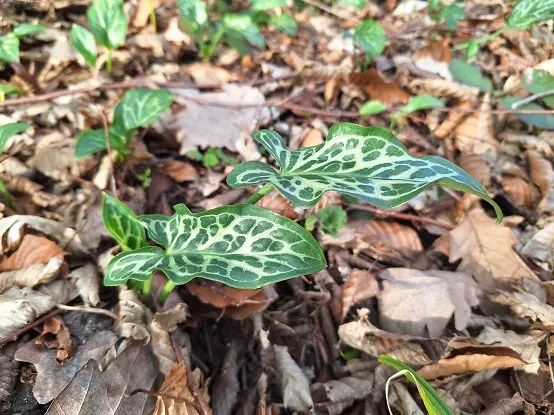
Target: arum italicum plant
247	246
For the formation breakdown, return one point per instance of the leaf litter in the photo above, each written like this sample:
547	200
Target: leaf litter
435	283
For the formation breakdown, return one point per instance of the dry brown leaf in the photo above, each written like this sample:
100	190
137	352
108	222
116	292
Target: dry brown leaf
486	251
32	275
87	281
526	305
475	134
180	171
174	396
379	89
276	202
337	395
542	174
434	58
314	137
452	120
168	320
423	302
529	142
134	317
205	73
541	245
361	286
445	88
520	192
477	167
295	387
32	250
55	335
142	13
8	376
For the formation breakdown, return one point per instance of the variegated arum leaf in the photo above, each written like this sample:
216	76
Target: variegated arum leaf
141	107
10	129
243	246
368	163
123	224
527	12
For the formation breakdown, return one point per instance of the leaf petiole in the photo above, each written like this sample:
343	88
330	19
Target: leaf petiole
109	61
486	38
256	197
147	289
168	288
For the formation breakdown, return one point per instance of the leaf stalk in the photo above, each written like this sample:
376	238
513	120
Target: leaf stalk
256	197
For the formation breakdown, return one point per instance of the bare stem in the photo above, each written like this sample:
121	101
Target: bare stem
252	200
168	288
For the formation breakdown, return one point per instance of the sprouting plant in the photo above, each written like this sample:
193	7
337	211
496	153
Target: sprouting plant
332	219
138	108
9	43
108	27
212	157
450	13
247	246
7	131
370	36
417	103
237	29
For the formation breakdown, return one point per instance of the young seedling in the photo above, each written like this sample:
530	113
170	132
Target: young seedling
7	131
108	27
247	246
9	43
139	107
370	36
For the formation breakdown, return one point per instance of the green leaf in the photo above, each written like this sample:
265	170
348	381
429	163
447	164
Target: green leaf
242	246
371	37
193	11
261	5
9	48
432	401
418	103
25	29
527	12
545	121
368	163
469	75
108	22
358	4
372	107
541	81
332	219
243	24
6	196
141	107
452	14
122	223
11	129
90	142
284	23
310	222
472	49
83	41
6	89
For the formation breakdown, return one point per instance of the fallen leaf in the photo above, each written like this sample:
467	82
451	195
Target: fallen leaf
476	133
423	302
536	387
174	396
486	251
134	317
477	167
337	395
226	388
529	142
205	73
142	13
378	89
434	58
452	121
8	376
361	286
114	384
520	192
541	245
87	281
526	305
445	88
542	174
180	171
295	387
61	341
276	202
314	137
52	377
168	320
32	275
32	250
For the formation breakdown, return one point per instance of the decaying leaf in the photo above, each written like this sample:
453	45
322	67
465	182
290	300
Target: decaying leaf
169	319
55	335
279	204
87	282
477	167
541	245
32	275
134	317
452	120
422	302
520	192
434	58
295	386
526	305
361	286
445	88
486	251
379	89
8	376
337	395
542	174
32	250
174	396
180	171
476	133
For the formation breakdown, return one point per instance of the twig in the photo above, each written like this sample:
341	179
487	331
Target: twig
109	148
532	98
401	216
88	310
13	336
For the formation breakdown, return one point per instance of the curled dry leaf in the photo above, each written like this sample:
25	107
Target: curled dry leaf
134	317
476	133
168	320
337	395
434	58
362	285
378	88
529	142
180	171
542	174
526	305
541	245
32	250
486	251
8	376
55	335
32	275
477	167
174	396
314	137
520	192
423	302
445	88
295	386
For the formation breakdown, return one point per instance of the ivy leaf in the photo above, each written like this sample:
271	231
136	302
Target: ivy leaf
242	246
470	75
545	121
142	106
193	11
368	163
371	37
527	12
244	25
9	48
284	23
108	22
261	5
8	130
83	41
540	81
372	107
26	29
122	223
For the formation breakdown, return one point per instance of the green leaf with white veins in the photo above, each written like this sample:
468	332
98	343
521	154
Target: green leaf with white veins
527	12
83	41
108	22
142	106
368	163
9	48
193	11
11	129
243	24
122	223
242	246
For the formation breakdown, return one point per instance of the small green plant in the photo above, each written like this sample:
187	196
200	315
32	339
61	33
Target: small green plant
7	89
108	27
237	29
332	219
247	246
370	36
451	14
138	108
212	157
9	43
7	131
417	103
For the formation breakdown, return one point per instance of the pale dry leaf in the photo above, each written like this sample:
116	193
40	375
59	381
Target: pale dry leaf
402	400
134	317
541	245
529	142
476	133
452	120
20	306
342	393
168	320
12	230
477	167
276	202
486	251
174	396
378	88
362	285
445	88
295	386
206	73
32	250
180	171
434	58
8	376
423	302
87	281
135	368
52	377
32	275
526	346
313	137
104	171
526	305
520	192
142	13
542	174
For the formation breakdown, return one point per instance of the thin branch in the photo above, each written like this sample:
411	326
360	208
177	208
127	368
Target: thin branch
92	310
109	148
532	98
13	336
